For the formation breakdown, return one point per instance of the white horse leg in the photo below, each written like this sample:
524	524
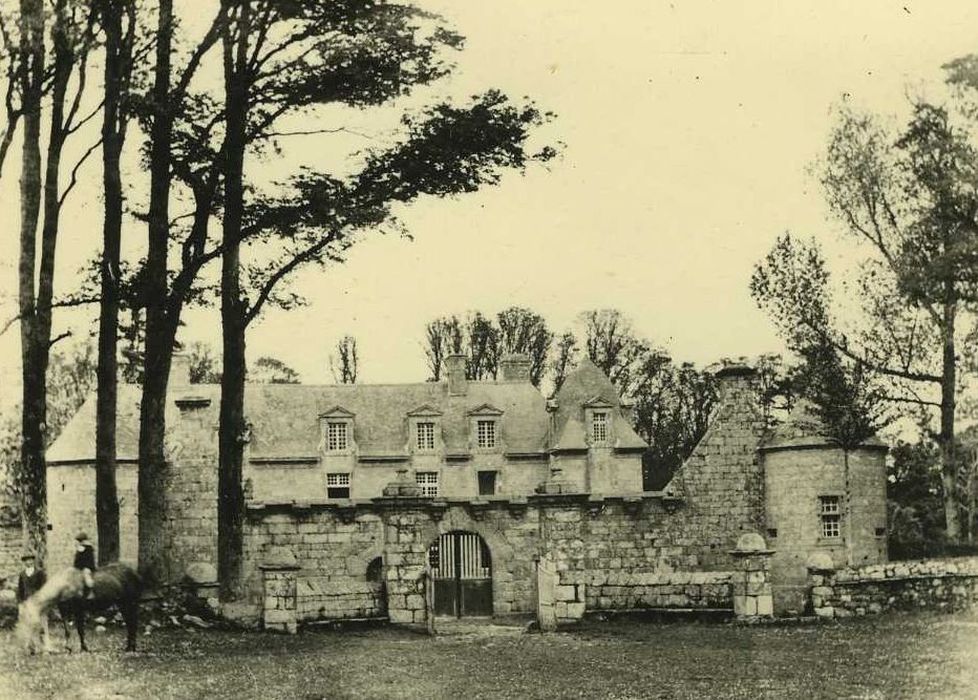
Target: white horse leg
45	636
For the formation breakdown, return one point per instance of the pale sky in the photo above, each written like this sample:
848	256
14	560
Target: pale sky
689	130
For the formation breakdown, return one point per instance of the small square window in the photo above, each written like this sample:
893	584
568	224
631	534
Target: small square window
426	436
337	486
336	437
487	483
599	427
486	433
830	516
428	481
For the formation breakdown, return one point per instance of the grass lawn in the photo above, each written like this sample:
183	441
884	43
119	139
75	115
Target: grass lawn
912	656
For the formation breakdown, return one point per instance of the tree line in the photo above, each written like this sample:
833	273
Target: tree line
205	108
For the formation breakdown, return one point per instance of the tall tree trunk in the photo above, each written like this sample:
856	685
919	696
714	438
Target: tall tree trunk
106	495
949	471
230	500
32	485
159	335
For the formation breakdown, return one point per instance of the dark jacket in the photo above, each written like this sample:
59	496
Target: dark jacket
28	585
85	559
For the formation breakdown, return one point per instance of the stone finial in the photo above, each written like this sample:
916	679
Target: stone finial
819	562
402	486
179	369
555	483
751	542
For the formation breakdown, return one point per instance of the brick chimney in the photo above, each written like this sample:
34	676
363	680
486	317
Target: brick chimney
455	375
515	368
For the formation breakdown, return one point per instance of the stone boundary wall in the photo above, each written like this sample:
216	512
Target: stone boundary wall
699	590
935	584
10	549
322	599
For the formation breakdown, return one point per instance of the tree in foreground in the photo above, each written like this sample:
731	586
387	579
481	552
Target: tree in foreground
283	57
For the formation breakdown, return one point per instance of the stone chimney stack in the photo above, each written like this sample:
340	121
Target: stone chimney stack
180	370
455	375
737	382
515	368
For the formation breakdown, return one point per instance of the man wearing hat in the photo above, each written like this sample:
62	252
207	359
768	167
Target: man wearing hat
85	561
30	580
28	583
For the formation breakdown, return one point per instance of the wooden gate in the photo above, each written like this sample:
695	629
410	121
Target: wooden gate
461	568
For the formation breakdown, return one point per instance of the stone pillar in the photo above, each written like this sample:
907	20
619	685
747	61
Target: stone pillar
546	594
752	596
820	572
279	603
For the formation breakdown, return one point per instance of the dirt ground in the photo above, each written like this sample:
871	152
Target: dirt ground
898	656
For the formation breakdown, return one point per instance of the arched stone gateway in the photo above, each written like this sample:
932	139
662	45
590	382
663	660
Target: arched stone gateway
461	569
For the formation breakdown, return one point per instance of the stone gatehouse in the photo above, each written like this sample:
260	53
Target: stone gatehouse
363	499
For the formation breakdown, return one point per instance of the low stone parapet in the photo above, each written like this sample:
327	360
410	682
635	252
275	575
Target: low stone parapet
936	584
620	590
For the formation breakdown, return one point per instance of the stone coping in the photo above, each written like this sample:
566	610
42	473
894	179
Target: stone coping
440	503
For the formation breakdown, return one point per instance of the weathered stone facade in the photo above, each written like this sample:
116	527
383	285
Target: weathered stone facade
566	504
933	584
800	469
11	546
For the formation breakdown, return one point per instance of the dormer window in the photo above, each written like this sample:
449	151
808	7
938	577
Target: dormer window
336	433
599	427
425	436
484	428
336	436
486	433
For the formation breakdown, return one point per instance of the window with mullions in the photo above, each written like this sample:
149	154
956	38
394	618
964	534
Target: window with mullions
830	516
337	486
428	481
426	436
486	433
599	428
336	438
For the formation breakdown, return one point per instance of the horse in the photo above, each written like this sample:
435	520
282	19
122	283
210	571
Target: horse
115	584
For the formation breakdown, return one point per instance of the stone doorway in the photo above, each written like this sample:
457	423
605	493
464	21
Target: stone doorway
461	569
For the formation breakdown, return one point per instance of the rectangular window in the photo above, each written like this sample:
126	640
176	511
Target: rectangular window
337	486
487	483
599	428
426	436
336	437
428	481
830	515
486	433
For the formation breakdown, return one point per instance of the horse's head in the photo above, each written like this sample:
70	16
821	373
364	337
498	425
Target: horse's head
29	627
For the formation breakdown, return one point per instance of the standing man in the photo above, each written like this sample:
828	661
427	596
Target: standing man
30	580
28	583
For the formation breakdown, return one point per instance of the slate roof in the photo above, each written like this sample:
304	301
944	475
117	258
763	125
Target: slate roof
587	384
802	428
285	417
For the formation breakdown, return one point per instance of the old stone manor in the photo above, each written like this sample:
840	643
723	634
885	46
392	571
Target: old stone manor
488	498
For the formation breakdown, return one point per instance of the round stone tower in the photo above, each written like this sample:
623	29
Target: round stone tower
820	498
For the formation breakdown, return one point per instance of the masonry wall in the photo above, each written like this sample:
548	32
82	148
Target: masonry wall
11	548
610	554
71	509
795	479
722	483
935	584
